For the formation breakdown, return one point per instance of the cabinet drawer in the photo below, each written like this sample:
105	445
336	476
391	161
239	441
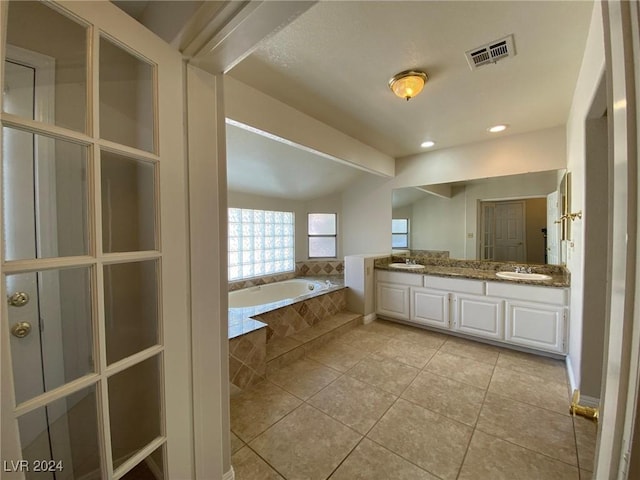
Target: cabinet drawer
412	279
556	296
457	285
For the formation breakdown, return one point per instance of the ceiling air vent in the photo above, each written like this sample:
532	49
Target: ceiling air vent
491	52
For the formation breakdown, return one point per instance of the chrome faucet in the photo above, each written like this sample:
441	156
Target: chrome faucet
523	269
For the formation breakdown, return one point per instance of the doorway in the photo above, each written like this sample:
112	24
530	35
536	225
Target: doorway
29	185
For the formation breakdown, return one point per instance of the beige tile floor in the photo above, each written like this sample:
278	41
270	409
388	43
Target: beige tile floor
388	401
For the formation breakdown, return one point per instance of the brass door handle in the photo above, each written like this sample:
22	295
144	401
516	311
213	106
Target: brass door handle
21	329
18	299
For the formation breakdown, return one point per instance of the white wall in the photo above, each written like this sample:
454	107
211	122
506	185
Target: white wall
208	250
537	151
595	221
591	71
366	211
367	203
432	227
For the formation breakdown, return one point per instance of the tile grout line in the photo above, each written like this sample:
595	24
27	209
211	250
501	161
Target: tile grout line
368	355
575	439
398	397
475	425
272	425
513	443
345	373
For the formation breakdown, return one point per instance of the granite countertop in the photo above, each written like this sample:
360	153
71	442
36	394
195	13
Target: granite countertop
480	270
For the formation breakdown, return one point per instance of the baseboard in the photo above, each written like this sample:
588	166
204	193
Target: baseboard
572	378
369	318
230	475
587	401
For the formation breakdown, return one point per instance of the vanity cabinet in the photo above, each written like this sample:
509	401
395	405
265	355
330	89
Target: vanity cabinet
392	300
479	316
430	307
535	317
536	325
392	293
525	315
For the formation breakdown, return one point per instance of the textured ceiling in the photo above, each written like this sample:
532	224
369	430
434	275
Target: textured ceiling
335	60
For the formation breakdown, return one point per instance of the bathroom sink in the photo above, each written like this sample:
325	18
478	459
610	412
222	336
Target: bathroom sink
523	276
406	266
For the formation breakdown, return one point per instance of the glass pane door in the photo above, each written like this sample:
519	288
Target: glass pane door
84	380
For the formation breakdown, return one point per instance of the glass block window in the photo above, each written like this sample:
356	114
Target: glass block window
400	233
261	242
323	235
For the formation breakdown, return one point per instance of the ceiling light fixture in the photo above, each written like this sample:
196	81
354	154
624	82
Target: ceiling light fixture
408	84
497	128
427	144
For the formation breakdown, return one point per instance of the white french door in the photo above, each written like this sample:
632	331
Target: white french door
95	332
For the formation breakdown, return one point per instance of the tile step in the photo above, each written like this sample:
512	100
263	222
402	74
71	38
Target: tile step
284	350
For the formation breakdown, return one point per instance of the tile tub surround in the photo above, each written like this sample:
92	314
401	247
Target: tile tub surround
319	267
244	320
287	327
364	422
247	358
321	270
477	269
290	319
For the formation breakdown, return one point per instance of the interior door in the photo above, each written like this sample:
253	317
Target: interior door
28	213
85	193
510	231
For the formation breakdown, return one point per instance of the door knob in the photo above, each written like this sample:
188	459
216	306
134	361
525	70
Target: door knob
21	329
18	299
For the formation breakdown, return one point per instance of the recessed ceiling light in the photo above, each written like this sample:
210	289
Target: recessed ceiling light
497	128
427	144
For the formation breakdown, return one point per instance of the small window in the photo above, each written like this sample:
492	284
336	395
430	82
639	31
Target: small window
323	235
400	233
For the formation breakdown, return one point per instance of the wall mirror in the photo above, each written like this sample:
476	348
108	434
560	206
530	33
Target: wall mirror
509	218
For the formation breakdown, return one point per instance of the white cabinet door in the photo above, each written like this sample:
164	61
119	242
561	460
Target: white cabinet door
479	316
392	300
430	307
536	325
